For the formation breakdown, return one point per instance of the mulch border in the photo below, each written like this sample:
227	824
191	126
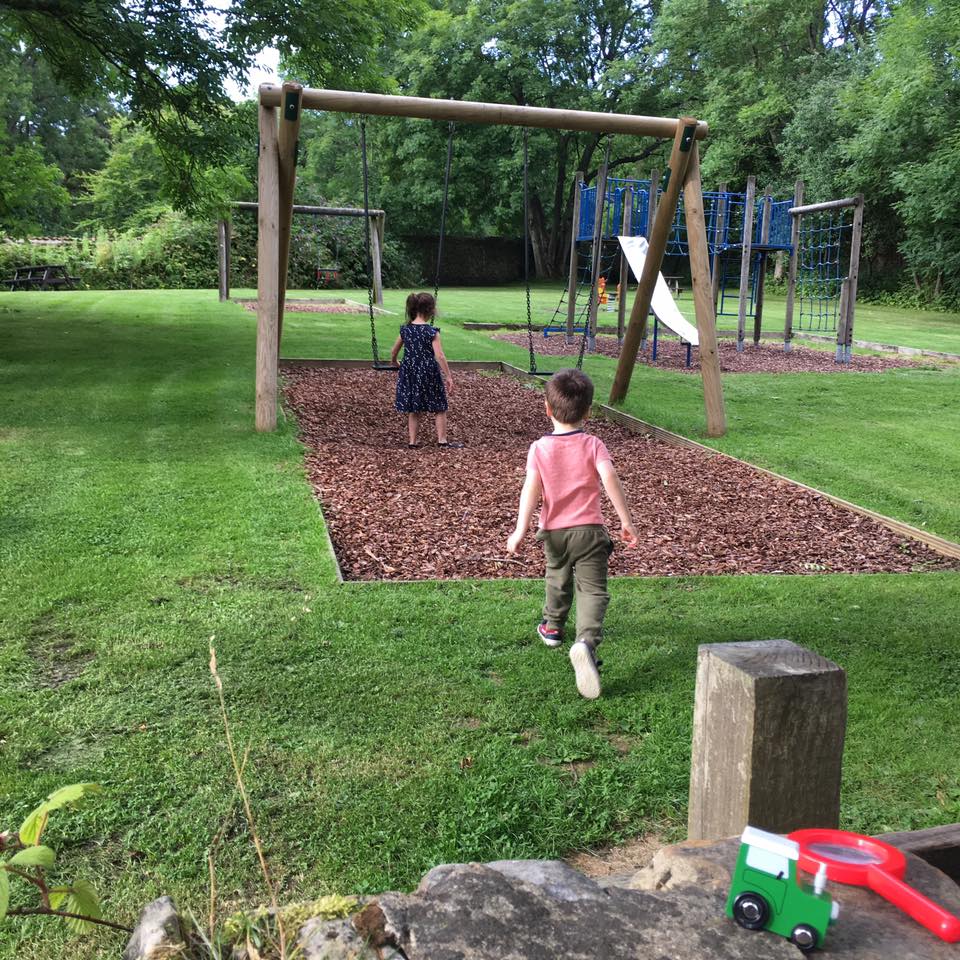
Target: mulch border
941	545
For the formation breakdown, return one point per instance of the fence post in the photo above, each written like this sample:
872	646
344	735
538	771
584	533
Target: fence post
768	729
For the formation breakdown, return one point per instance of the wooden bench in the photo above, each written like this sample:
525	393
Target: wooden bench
43	276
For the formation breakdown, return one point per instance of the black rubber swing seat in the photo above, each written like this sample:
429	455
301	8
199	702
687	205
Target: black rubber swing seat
385	367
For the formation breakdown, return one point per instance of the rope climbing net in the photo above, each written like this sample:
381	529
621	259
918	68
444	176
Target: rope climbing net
824	246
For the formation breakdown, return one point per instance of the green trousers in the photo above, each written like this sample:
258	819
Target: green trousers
577	559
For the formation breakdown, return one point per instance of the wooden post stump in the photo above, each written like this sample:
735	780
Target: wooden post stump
768	730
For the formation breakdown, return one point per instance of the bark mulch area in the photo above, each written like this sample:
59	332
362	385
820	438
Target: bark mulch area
765	358
317	306
433	513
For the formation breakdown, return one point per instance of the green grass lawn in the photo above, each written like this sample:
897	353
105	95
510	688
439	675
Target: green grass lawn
392	727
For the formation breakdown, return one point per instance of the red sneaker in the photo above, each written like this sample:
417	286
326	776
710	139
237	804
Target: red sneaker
551	636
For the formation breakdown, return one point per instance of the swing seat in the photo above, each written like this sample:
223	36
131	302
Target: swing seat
328	274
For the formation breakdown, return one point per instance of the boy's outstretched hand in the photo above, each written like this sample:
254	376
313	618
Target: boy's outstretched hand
628	534
513	541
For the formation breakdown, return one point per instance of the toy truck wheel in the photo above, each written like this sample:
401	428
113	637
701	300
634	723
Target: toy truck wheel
805	937
750	910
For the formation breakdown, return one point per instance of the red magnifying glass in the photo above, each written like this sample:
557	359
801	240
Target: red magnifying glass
867	862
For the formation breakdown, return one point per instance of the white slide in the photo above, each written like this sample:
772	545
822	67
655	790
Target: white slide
663	304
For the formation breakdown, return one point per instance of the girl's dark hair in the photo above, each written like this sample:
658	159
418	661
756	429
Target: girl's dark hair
422	305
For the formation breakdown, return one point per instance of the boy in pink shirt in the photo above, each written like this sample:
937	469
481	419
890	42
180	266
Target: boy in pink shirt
565	470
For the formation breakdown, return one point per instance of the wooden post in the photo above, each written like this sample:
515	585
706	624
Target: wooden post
794	261
768	728
572	273
762	268
718	234
376	257
625	228
842	320
268	271
651	219
599	206
657	243
223	258
746	247
853	274
290	110
703	297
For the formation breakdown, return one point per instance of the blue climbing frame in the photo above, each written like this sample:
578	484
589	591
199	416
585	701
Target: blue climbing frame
824	236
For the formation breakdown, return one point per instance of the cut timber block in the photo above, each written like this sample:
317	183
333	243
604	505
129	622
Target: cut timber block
768	730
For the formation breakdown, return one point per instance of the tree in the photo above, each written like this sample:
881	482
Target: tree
168	60
589	55
32	195
906	110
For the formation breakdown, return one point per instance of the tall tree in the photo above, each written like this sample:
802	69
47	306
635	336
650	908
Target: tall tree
168	60
580	54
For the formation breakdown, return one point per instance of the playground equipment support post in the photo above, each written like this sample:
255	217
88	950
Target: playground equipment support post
594	301
651	219
624	266
290	111
572	274
792	273
657	243
268	271
762	266
719	227
746	250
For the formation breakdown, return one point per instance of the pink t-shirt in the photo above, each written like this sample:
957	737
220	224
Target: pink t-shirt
567	464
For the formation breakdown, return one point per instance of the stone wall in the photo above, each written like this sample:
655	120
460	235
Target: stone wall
543	910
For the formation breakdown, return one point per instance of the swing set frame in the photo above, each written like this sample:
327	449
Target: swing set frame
277	177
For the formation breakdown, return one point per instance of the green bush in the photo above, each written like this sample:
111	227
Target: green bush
175	252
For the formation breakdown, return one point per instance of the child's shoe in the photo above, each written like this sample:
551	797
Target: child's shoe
551	636
585	669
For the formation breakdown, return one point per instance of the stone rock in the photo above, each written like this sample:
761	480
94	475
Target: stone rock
475	912
337	940
702	862
157	935
673	909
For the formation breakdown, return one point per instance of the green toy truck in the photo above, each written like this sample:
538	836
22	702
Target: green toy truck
766	893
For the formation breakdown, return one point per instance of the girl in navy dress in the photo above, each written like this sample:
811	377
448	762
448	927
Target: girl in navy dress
424	372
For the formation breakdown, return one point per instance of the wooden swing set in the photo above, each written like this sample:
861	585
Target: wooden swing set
277	177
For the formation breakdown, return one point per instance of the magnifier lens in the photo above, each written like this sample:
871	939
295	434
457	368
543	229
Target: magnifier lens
840	853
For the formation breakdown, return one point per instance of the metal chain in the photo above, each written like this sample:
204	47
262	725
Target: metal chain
597	238
366	236
526	247
443	209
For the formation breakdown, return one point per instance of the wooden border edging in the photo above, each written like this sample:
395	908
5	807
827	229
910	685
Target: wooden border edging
941	545
939	846
367	364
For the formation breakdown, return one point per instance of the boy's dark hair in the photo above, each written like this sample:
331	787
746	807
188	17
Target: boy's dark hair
421	304
570	395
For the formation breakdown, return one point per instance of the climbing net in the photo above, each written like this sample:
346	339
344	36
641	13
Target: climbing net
824	244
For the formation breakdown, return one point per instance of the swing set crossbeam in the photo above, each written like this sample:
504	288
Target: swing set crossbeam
277	175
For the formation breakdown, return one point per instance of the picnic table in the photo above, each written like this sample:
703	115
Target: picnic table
41	276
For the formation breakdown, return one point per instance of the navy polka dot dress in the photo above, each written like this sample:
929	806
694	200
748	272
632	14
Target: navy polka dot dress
419	381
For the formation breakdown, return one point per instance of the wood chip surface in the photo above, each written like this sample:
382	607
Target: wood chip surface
433	513
768	357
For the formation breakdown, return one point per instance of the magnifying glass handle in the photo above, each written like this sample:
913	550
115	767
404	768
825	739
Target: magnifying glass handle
937	920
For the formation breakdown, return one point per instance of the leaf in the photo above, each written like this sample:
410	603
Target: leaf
67	795
4	893
38	856
57	896
82	899
33	826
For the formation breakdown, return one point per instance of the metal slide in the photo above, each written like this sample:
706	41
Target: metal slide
662	304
